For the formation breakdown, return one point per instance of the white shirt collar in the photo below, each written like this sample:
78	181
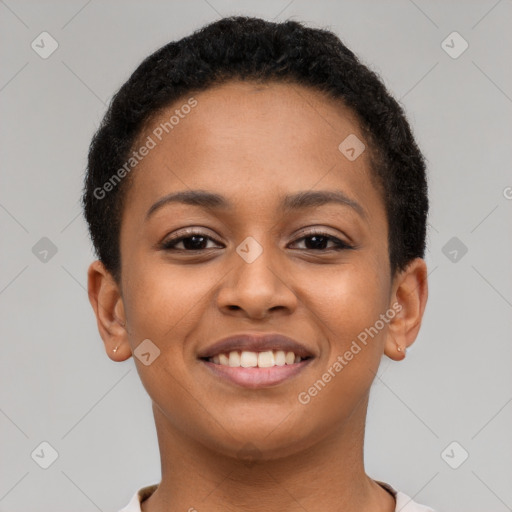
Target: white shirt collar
403	502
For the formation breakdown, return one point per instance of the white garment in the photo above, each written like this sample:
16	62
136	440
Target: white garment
403	502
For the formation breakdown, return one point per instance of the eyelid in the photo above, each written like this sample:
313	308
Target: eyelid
190	230
304	232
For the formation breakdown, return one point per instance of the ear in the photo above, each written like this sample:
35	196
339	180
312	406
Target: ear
408	299
107	303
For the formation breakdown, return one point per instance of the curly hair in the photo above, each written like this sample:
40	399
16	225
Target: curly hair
247	48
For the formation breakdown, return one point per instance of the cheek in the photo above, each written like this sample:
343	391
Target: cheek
348	308
347	299
159	296
350	361
164	305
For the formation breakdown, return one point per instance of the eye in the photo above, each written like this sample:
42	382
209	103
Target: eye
198	241
318	241
192	241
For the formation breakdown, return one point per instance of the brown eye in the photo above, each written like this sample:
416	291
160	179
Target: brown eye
317	241
190	242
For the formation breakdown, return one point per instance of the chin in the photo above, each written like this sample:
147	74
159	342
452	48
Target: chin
254	439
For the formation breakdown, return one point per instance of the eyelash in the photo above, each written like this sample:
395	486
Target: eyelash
340	245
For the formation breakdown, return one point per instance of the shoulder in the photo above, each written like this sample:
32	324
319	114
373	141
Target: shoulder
406	504
142	494
403	502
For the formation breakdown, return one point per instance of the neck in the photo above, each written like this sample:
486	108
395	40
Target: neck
330	473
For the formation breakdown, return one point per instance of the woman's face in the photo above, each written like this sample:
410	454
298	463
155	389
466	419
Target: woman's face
252	266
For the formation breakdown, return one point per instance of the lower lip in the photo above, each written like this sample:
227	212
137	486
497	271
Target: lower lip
257	377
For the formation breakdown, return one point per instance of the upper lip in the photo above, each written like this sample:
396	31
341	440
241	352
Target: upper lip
255	343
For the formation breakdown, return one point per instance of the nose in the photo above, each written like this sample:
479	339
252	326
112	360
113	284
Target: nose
254	289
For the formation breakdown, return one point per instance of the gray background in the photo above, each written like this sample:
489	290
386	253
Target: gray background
57	384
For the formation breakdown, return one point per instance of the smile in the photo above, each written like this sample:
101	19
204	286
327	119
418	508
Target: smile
256	369
249	359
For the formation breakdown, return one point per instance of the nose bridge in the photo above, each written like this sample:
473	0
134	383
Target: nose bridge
255	284
255	268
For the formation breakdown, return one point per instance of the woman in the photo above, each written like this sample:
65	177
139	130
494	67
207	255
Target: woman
258	206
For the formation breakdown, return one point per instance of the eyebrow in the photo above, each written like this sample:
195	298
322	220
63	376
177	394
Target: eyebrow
290	203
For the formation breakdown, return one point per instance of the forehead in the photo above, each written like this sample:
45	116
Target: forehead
288	121
251	141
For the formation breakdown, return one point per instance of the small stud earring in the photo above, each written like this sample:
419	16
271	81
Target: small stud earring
115	349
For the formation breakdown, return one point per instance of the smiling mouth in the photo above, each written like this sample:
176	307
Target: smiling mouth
256	370
250	359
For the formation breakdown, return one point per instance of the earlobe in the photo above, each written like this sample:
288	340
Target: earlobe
108	306
409	298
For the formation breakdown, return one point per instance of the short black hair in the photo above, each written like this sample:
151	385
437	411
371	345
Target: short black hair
247	48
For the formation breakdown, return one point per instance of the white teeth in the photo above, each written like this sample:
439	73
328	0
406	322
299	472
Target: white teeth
280	357
248	359
266	359
290	358
234	358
